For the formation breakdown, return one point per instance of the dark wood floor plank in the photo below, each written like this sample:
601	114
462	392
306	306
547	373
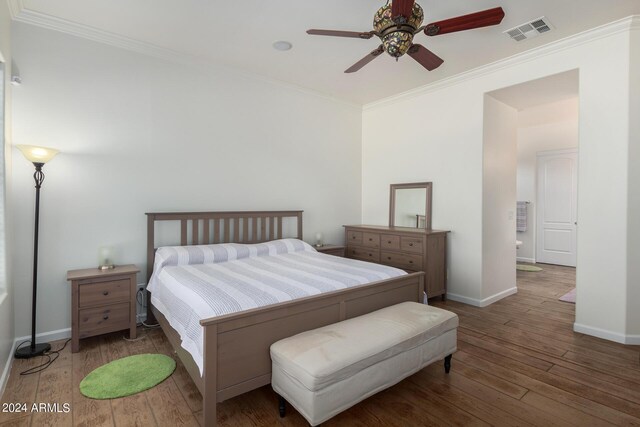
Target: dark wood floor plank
563	412
576	401
475	406
501	401
54	388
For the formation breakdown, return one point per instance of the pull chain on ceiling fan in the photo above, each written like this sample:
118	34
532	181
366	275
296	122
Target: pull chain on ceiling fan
397	23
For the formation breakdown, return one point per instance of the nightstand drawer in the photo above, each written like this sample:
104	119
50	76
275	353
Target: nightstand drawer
404	261
103	293
371	240
331	250
410	244
100	320
389	241
364	254
354	237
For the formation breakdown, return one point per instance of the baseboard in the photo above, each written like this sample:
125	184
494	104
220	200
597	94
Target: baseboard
60	334
7	369
633	340
528	260
607	335
482	302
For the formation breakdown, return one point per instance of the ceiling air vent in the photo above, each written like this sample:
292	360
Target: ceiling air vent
529	29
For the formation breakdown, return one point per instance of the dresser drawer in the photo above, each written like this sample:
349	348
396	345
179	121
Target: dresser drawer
100	320
371	240
371	255
103	293
404	261
411	244
354	237
389	241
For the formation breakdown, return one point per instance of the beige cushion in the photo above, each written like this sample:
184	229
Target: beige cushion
327	355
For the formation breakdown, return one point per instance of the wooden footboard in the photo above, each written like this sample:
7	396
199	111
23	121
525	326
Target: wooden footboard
237	359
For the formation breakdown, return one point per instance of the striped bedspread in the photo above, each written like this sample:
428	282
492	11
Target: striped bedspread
191	283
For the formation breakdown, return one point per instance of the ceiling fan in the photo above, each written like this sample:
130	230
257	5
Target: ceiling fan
397	23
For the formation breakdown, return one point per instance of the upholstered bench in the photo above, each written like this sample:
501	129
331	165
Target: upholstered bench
324	371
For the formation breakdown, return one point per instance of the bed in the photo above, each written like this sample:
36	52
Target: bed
234	353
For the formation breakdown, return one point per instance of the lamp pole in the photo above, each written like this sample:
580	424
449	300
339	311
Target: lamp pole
38	156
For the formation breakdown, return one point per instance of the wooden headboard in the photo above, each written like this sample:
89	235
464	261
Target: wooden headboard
221	227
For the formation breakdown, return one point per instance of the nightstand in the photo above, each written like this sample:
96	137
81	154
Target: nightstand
331	250
102	301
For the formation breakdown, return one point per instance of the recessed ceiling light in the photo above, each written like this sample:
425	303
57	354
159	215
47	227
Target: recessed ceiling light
282	45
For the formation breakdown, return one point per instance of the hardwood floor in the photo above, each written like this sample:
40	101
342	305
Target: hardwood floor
518	363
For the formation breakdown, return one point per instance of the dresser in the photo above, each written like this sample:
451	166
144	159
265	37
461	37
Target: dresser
102	302
406	248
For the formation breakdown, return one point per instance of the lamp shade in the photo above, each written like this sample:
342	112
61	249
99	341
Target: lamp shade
37	154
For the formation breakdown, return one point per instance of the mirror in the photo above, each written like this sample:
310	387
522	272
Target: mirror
410	205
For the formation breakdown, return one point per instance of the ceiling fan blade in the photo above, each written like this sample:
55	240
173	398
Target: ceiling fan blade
364	61
402	8
425	57
334	33
485	18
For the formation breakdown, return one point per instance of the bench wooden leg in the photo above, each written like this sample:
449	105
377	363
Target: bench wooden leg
282	406
447	363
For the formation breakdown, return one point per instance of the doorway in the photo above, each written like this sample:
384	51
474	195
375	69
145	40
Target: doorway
543	209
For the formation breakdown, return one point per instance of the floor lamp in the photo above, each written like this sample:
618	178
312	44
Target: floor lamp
38	156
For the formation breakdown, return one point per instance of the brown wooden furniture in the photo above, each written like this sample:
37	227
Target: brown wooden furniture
422	218
236	346
411	249
331	250
102	301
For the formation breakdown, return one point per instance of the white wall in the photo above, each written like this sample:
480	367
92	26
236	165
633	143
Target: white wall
138	134
431	138
545	127
498	200
436	134
633	297
6	286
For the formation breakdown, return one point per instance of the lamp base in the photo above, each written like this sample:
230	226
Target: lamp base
27	352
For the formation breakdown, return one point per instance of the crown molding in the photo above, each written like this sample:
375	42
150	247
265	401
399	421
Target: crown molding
626	24
20	14
15	7
43	20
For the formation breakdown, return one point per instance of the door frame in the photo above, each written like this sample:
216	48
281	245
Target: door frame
539	154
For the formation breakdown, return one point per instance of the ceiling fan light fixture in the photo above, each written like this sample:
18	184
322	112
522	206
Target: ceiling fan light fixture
397	31
397	43
282	45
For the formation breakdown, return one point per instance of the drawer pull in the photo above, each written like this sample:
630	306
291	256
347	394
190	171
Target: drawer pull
410	244
370	254
389	241
370	239
389	258
410	262
105	293
105	317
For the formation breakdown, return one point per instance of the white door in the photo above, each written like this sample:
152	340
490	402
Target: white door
556	221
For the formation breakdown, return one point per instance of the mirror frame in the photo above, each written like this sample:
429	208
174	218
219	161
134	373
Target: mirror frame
428	186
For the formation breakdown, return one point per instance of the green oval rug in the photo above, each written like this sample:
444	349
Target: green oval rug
127	376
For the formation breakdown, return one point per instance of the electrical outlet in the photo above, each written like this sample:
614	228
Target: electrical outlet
141	302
